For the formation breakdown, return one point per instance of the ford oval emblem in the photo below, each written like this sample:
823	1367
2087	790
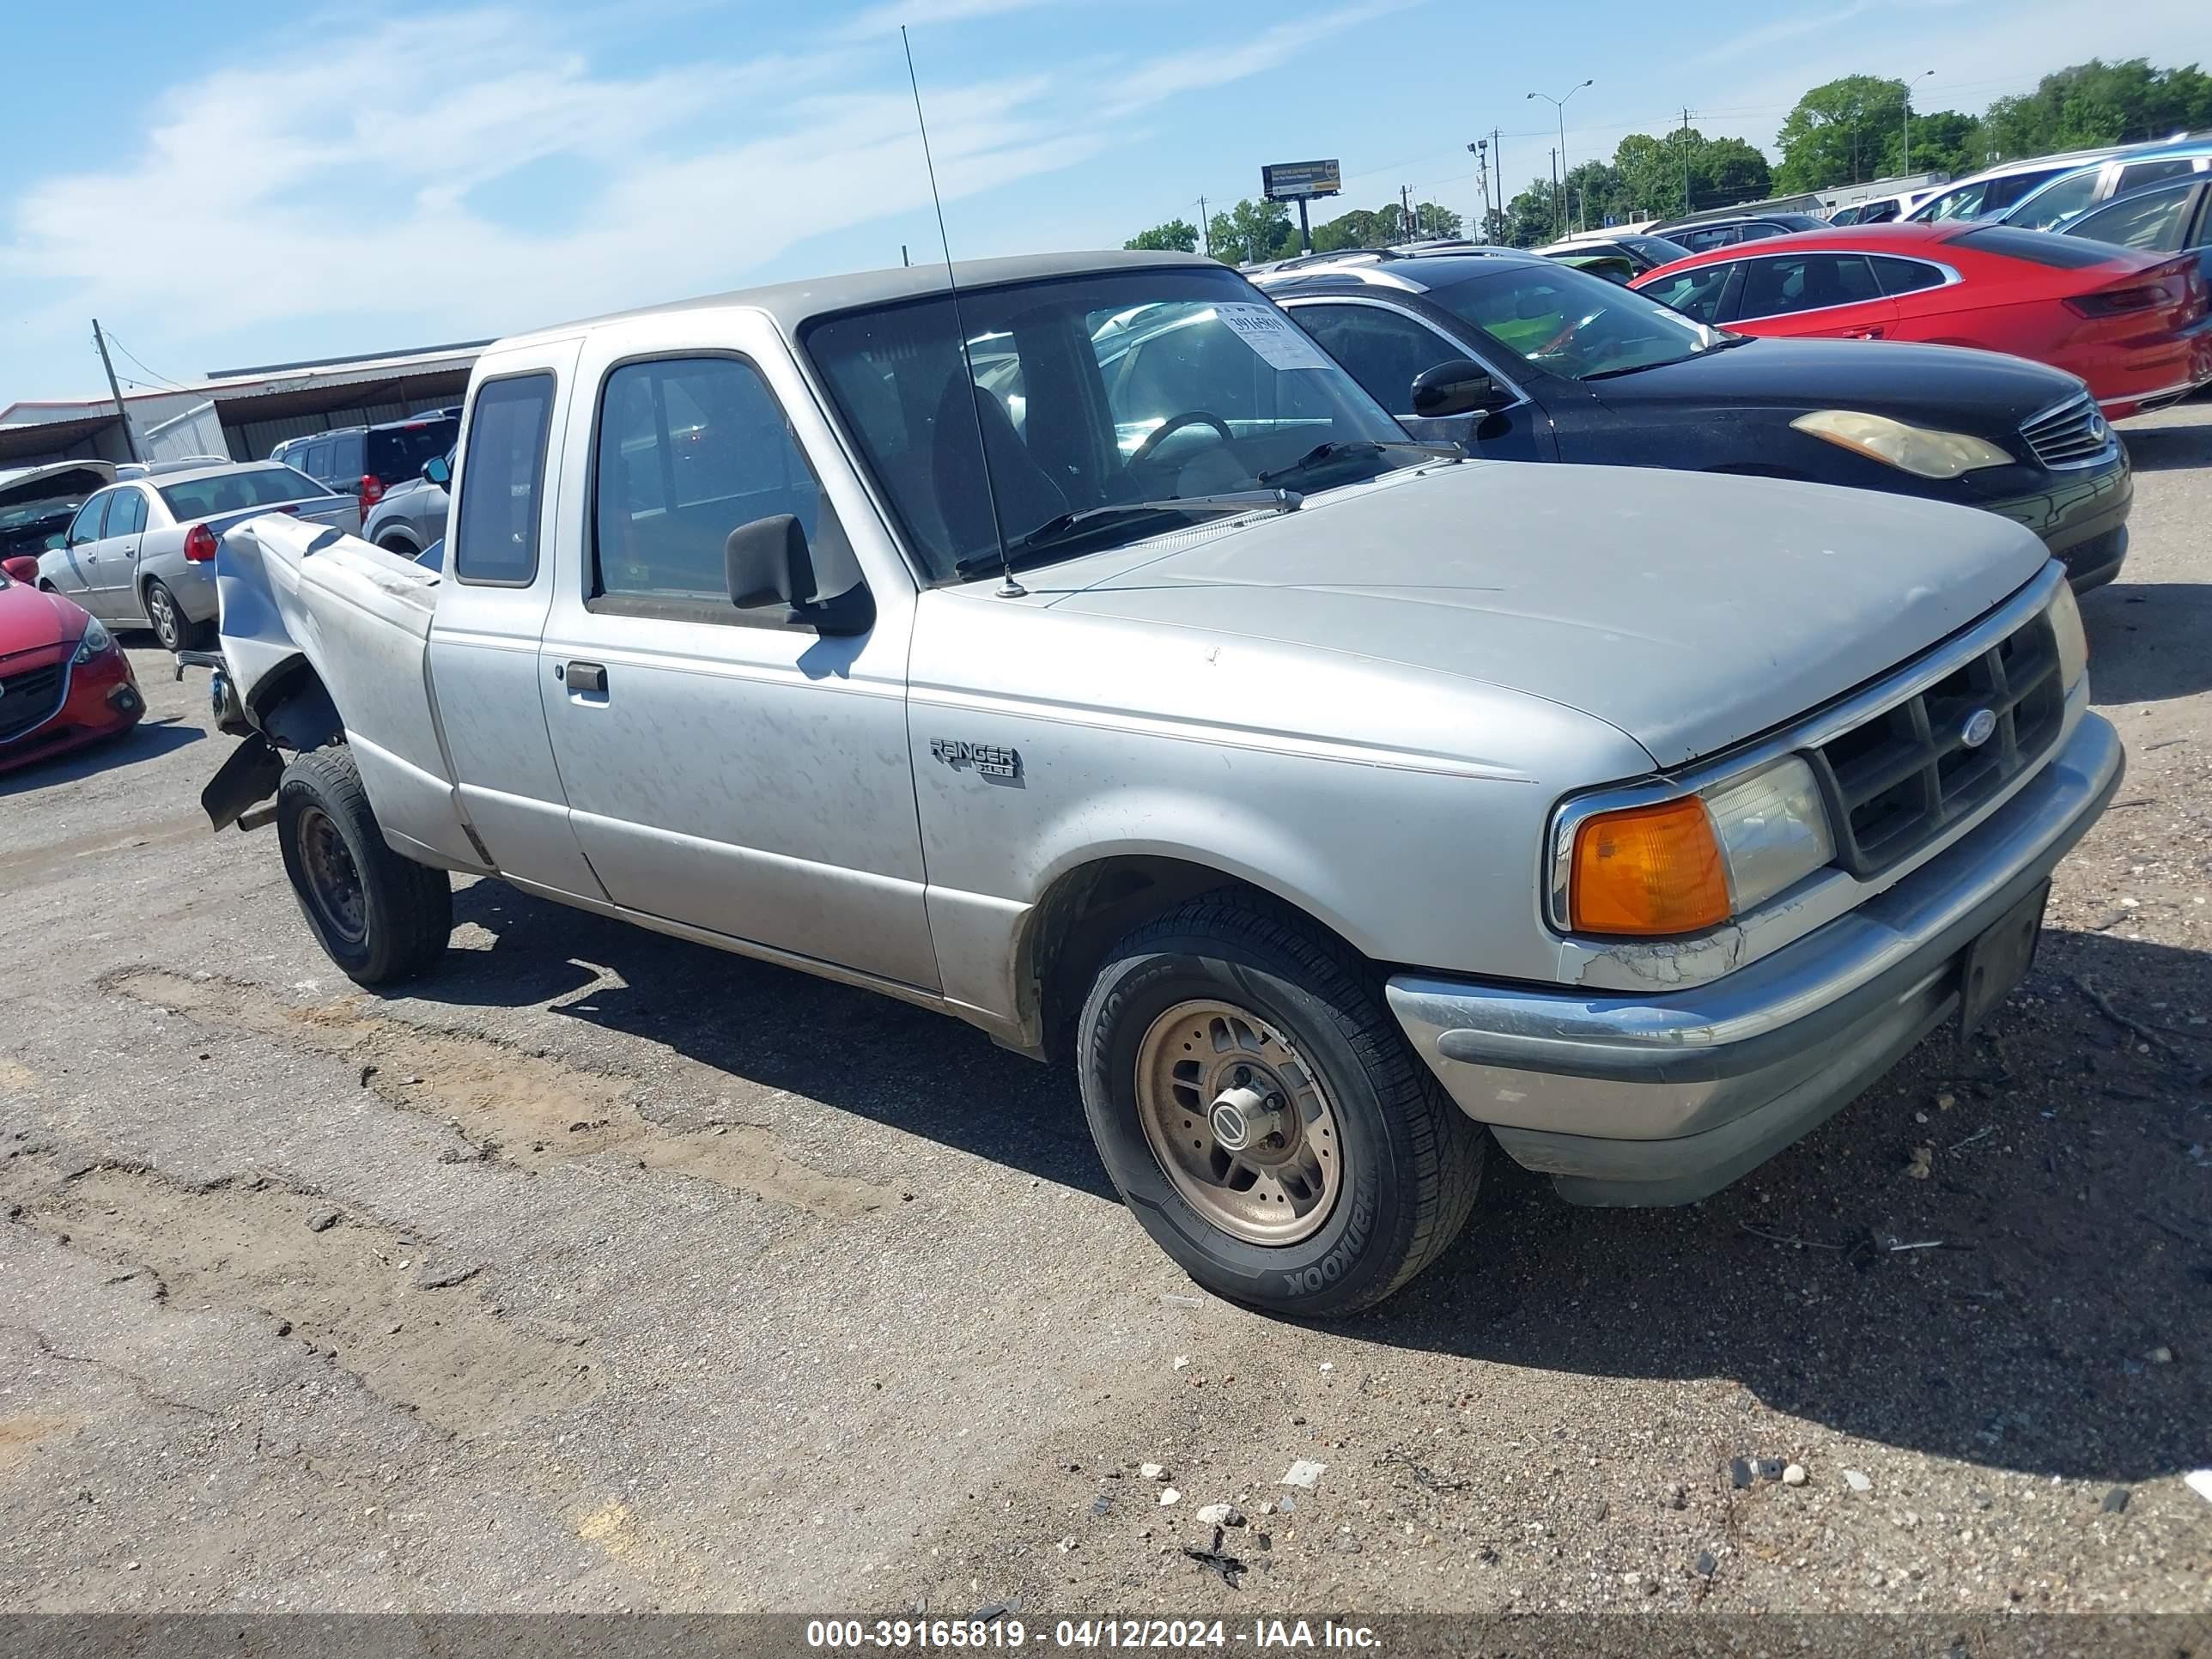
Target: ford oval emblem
1981	726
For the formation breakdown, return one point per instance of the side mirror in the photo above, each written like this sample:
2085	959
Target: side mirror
23	568
768	563
56	542
434	470
1456	387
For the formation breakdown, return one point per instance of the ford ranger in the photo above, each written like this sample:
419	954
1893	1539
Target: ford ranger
1084	655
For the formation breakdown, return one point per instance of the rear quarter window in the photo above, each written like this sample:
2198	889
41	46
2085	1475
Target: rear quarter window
2036	247
495	539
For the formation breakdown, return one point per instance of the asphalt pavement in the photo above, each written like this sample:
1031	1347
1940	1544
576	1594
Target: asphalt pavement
605	1271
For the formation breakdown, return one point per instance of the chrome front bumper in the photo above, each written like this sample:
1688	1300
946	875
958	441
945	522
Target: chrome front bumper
1667	1097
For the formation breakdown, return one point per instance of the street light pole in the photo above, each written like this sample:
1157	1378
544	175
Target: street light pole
1909	86
1560	105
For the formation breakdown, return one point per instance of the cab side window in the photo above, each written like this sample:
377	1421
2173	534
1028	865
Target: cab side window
495	539
85	527
688	451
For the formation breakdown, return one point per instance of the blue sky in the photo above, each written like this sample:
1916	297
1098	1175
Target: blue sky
223	186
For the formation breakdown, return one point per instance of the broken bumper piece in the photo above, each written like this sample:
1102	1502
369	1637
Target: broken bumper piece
1666	1098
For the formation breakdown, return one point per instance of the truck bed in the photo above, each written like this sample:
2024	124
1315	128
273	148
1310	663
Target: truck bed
361	616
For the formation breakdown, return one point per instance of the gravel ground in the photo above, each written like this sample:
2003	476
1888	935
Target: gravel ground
608	1271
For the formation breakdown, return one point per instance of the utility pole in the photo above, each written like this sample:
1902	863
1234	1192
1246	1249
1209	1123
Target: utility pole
1481	149
1909	85
1204	230
129	438
1558	199
1686	160
1406	213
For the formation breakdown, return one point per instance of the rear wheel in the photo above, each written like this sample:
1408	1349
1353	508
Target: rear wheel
167	619
381	918
1260	1113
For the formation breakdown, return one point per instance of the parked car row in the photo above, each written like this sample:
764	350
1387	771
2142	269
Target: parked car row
140	553
1566	367
366	461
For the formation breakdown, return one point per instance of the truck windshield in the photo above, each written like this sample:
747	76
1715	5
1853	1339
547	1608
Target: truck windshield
1098	391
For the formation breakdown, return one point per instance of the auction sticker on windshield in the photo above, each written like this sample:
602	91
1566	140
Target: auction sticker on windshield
1273	335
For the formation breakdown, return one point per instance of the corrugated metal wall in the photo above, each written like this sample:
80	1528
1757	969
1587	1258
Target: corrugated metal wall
252	441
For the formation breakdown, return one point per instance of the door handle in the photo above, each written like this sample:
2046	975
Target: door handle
1874	333
589	676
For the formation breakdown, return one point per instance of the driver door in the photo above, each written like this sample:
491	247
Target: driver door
1384	347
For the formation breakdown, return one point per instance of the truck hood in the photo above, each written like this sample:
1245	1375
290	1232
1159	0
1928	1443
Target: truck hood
1687	611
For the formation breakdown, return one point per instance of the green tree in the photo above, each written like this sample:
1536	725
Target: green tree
2096	103
1252	232
1838	133
1943	141
1179	235
1726	171
1383	226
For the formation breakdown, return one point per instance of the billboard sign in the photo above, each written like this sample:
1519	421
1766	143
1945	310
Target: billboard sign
1293	181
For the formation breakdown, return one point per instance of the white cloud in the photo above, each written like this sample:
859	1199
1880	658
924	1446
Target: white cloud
918	14
1203	68
260	196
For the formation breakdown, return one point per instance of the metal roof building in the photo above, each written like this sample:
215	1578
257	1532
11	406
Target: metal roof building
239	412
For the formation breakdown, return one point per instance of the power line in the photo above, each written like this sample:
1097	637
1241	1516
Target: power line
158	378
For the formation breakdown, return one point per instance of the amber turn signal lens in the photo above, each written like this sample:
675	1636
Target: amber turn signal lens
1649	870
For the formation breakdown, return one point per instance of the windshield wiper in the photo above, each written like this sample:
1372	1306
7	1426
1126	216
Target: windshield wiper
1062	526
1337	449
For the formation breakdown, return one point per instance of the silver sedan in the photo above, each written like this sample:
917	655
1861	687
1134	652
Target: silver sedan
141	553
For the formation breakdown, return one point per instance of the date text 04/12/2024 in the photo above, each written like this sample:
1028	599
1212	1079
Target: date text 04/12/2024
1156	1633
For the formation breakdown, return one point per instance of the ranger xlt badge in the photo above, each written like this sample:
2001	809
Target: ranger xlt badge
992	760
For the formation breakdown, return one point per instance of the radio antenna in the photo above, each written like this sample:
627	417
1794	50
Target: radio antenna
1008	587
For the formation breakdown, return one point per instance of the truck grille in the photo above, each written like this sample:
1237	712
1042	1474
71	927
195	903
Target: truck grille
27	698
1901	779
2068	435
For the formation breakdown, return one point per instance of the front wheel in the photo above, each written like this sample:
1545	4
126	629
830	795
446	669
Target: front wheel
1260	1113
381	918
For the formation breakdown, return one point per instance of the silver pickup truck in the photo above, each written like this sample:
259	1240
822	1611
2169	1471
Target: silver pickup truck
1339	806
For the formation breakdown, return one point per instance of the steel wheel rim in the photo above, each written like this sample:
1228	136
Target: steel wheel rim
333	880
1200	1055
163	611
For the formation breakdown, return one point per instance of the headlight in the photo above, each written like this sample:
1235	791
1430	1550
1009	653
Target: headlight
1909	448
2073	643
1682	865
96	641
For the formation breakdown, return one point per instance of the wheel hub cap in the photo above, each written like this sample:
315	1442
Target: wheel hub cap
1239	1121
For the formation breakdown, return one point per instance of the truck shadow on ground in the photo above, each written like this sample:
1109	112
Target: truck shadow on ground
2066	1201
852	1050
2146	641
2075	1239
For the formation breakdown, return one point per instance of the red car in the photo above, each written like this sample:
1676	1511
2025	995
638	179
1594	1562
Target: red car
64	681
2137	326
